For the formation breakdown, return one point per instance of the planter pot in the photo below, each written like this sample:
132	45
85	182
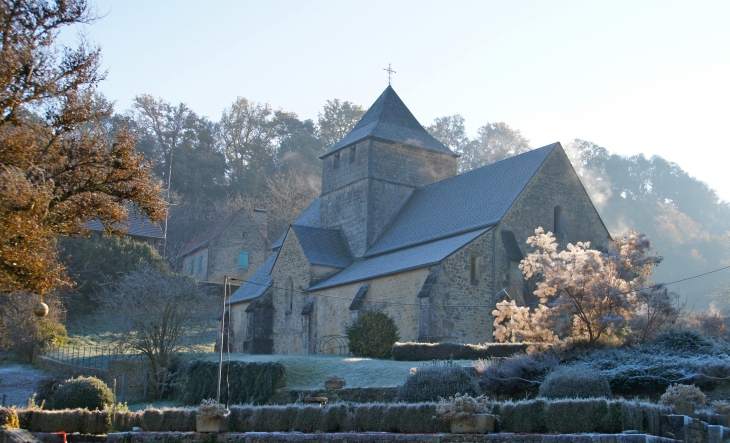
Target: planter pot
481	424
204	424
334	384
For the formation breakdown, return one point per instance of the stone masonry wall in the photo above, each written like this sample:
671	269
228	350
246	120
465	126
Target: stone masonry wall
224	249
200	272
460	309
238	325
554	184
347	171
347	207
288	324
410	166
373	437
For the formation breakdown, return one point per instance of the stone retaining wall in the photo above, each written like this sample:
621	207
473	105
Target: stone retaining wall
356	437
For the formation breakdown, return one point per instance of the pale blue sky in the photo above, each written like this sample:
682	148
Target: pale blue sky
648	76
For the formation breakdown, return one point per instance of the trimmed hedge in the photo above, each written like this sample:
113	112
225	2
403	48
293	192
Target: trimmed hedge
580	415
250	382
458	351
532	416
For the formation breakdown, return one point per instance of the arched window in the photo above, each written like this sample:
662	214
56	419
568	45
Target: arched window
289	296
558	222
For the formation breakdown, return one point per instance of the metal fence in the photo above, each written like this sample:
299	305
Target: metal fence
94	357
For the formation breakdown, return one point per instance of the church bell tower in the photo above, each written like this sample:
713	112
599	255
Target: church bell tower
371	172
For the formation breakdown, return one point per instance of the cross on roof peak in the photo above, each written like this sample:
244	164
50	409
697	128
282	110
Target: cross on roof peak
390	71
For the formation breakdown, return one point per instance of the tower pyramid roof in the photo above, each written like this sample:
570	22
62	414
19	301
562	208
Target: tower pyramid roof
389	119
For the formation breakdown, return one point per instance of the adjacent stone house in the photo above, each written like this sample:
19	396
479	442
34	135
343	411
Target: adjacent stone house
234	247
395	228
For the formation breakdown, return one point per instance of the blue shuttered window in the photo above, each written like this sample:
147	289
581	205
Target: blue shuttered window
200	264
243	259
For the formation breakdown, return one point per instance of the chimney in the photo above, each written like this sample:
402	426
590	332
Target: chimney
260	217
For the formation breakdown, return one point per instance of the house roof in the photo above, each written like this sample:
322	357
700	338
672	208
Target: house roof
137	225
206	237
257	284
310	217
324	246
389	119
399	261
462	203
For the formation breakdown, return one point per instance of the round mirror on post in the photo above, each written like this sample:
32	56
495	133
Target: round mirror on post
41	309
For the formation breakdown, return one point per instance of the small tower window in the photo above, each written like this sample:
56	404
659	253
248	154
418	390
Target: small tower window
558	222
353	153
289	296
244	235
336	161
474	268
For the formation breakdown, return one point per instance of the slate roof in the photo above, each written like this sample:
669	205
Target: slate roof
324	246
206	237
462	203
389	119
310	217
257	284
138	225
399	261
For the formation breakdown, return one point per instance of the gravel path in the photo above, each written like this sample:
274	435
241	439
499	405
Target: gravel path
19	383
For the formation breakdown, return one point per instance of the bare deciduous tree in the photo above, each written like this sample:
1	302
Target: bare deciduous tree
154	311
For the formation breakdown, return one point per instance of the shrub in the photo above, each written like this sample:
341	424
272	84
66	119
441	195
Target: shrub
678	393
683	342
430	382
250	382
459	351
83	392
9	419
575	381
372	334
517	375
721	407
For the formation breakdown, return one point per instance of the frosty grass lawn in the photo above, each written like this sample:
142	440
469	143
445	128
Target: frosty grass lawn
310	371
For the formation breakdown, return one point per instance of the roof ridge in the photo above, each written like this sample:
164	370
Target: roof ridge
551	146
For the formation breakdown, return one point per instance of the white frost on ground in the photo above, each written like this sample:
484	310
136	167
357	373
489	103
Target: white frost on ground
19	382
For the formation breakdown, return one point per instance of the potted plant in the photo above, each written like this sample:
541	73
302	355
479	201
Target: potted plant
466	414
334	382
211	417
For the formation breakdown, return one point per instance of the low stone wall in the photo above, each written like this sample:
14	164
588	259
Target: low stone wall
358	437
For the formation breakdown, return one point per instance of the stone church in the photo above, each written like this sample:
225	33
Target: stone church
396	229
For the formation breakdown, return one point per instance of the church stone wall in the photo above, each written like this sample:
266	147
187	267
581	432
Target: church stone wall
459	308
288	324
347	171
554	184
347	207
395	294
237	326
224	249
410	166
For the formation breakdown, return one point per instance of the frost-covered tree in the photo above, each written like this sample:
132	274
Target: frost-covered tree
584	292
